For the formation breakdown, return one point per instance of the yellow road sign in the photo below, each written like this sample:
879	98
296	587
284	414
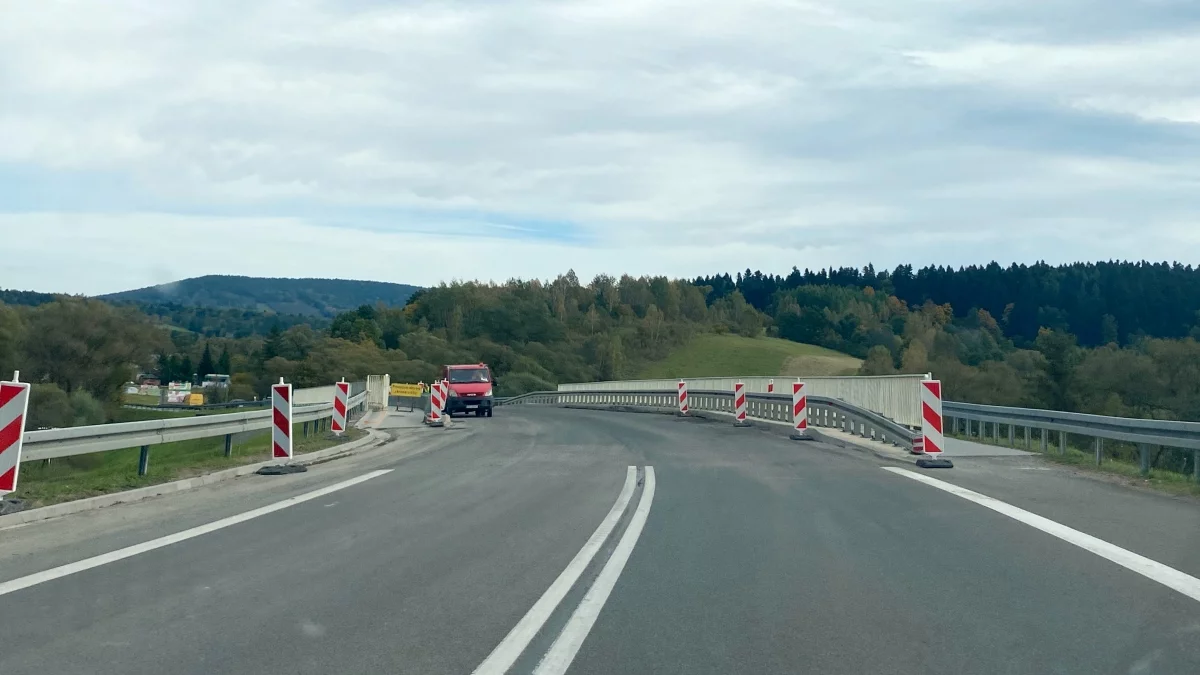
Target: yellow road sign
406	390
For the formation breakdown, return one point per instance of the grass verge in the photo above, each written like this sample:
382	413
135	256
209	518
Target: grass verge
62	480
712	355
1119	462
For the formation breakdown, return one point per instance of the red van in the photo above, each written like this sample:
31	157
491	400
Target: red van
470	389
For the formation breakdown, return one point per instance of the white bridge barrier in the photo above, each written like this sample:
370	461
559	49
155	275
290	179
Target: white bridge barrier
896	397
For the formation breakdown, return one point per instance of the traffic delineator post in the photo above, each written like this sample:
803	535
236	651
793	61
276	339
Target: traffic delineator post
770	386
341	405
281	428
739	405
799	412
918	445
933	440
14	410
683	398
437	402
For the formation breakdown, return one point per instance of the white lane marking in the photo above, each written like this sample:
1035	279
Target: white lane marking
1151	569
510	648
130	551
560	655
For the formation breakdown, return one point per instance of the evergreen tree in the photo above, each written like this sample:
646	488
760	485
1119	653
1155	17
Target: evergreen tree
225	363
207	366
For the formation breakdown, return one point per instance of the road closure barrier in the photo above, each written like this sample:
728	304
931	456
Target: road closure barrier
14	409
281	427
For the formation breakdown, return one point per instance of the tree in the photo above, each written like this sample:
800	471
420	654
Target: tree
915	359
87	344
12	330
273	345
1109	333
1062	356
207	366
225	363
358	326
878	362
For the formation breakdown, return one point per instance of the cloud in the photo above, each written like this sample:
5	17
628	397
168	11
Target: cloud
608	135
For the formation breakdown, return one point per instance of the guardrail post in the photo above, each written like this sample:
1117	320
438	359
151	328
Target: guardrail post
1042	436
1028	438
1011	436
1062	443
1144	456
144	461
228	445
1196	465
1099	443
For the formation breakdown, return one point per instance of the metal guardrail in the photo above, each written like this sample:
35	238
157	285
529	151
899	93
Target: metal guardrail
897	397
55	443
1141	432
822	411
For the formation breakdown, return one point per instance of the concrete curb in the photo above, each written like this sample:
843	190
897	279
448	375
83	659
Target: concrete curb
91	503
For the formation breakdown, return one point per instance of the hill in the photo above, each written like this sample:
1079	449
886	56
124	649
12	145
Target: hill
26	298
304	297
711	355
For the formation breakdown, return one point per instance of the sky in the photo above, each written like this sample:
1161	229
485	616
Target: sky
144	141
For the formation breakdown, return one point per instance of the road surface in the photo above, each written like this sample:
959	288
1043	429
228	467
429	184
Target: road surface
735	551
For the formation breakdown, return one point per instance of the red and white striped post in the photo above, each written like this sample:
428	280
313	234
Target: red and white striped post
281	429
739	405
341	406
918	446
437	401
683	398
933	441
799	412
14	409
770	386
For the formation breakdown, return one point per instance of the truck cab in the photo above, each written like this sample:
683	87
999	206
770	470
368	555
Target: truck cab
469	390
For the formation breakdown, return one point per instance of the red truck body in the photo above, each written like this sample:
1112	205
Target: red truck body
470	389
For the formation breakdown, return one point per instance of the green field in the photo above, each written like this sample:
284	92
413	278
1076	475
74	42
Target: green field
69	478
139	399
712	355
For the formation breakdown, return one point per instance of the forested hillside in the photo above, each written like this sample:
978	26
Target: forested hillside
306	297
1100	303
1128	369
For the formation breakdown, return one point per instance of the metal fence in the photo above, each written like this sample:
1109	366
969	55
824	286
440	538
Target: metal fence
897	397
1152	444
822	411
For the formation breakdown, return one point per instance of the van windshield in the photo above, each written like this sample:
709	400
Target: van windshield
463	375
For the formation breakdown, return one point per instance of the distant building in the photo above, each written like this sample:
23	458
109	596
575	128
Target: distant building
216	381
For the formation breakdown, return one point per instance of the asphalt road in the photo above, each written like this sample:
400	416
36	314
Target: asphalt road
758	555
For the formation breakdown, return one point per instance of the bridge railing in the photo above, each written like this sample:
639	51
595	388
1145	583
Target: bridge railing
822	411
897	397
1181	440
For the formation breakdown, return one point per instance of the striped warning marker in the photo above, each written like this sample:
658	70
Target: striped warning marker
281	430
683	398
934	442
14	409
799	411
341	405
739	404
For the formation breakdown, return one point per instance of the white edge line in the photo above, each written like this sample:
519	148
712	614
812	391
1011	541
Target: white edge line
1151	569
130	551
560	655
510	648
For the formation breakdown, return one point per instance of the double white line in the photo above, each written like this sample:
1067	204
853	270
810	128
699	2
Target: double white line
560	655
